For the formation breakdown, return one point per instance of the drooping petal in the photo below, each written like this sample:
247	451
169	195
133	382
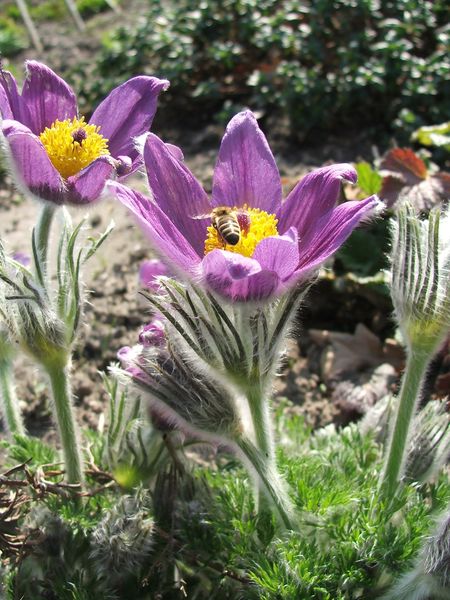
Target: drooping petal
238	277
128	112
176	191
331	231
87	185
165	238
246	172
47	97
279	254
33	166
315	195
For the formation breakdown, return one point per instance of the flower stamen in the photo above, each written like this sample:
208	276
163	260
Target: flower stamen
73	144
255	225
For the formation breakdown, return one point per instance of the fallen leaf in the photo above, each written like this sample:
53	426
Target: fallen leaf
406	177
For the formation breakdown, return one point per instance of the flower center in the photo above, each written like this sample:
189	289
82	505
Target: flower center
73	144
254	226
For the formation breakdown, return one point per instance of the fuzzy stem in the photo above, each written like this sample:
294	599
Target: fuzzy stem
10	406
270	479
259	411
42	237
407	401
62	396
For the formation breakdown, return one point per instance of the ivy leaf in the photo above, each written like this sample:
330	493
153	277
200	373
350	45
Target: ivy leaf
405	176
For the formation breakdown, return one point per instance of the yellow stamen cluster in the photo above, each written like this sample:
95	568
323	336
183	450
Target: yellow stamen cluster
262	225
73	144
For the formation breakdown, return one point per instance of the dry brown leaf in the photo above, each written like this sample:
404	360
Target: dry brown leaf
405	175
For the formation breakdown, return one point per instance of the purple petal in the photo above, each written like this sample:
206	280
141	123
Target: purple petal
152	334
87	185
47	96
315	195
128	112
164	236
331	231
32	164
246	172
237	277
176	191
279	254
148	271
11	104
175	151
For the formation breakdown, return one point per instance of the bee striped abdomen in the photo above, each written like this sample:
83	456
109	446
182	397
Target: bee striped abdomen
229	229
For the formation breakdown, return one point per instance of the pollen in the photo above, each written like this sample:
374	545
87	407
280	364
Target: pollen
255	225
72	145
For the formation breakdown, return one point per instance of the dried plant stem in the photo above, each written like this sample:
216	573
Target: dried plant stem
407	401
62	397
9	402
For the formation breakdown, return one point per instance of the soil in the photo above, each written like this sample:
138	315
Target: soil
115	312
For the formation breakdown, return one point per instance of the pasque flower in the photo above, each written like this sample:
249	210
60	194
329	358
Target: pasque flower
56	154
280	243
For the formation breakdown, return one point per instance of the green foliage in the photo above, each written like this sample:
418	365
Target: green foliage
434	135
204	543
12	38
327	64
88	8
30	450
365	252
369	180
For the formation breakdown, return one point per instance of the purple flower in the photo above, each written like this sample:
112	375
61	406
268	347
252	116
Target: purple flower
152	334
57	155
130	357
281	242
149	271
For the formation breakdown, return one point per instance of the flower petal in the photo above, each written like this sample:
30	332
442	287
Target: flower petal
315	195
11	103
87	185
164	236
246	172
149	271
331	231
238	277
128	112
47	97
279	254
176	191
32	164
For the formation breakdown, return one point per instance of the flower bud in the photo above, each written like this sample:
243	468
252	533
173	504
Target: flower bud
420	277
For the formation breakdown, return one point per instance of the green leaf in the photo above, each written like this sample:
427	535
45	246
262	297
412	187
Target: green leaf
434	135
369	180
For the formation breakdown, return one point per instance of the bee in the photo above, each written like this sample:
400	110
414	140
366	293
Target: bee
229	223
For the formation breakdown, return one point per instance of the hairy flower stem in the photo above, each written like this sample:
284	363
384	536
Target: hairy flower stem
12	418
62	397
41	238
270	479
407	401
263	435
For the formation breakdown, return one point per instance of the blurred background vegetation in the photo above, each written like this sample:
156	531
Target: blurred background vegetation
327	65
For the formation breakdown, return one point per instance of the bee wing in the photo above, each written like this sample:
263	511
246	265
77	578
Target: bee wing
201	217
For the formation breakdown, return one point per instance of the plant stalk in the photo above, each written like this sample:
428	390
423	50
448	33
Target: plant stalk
10	405
41	236
62	397
270	480
407	401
